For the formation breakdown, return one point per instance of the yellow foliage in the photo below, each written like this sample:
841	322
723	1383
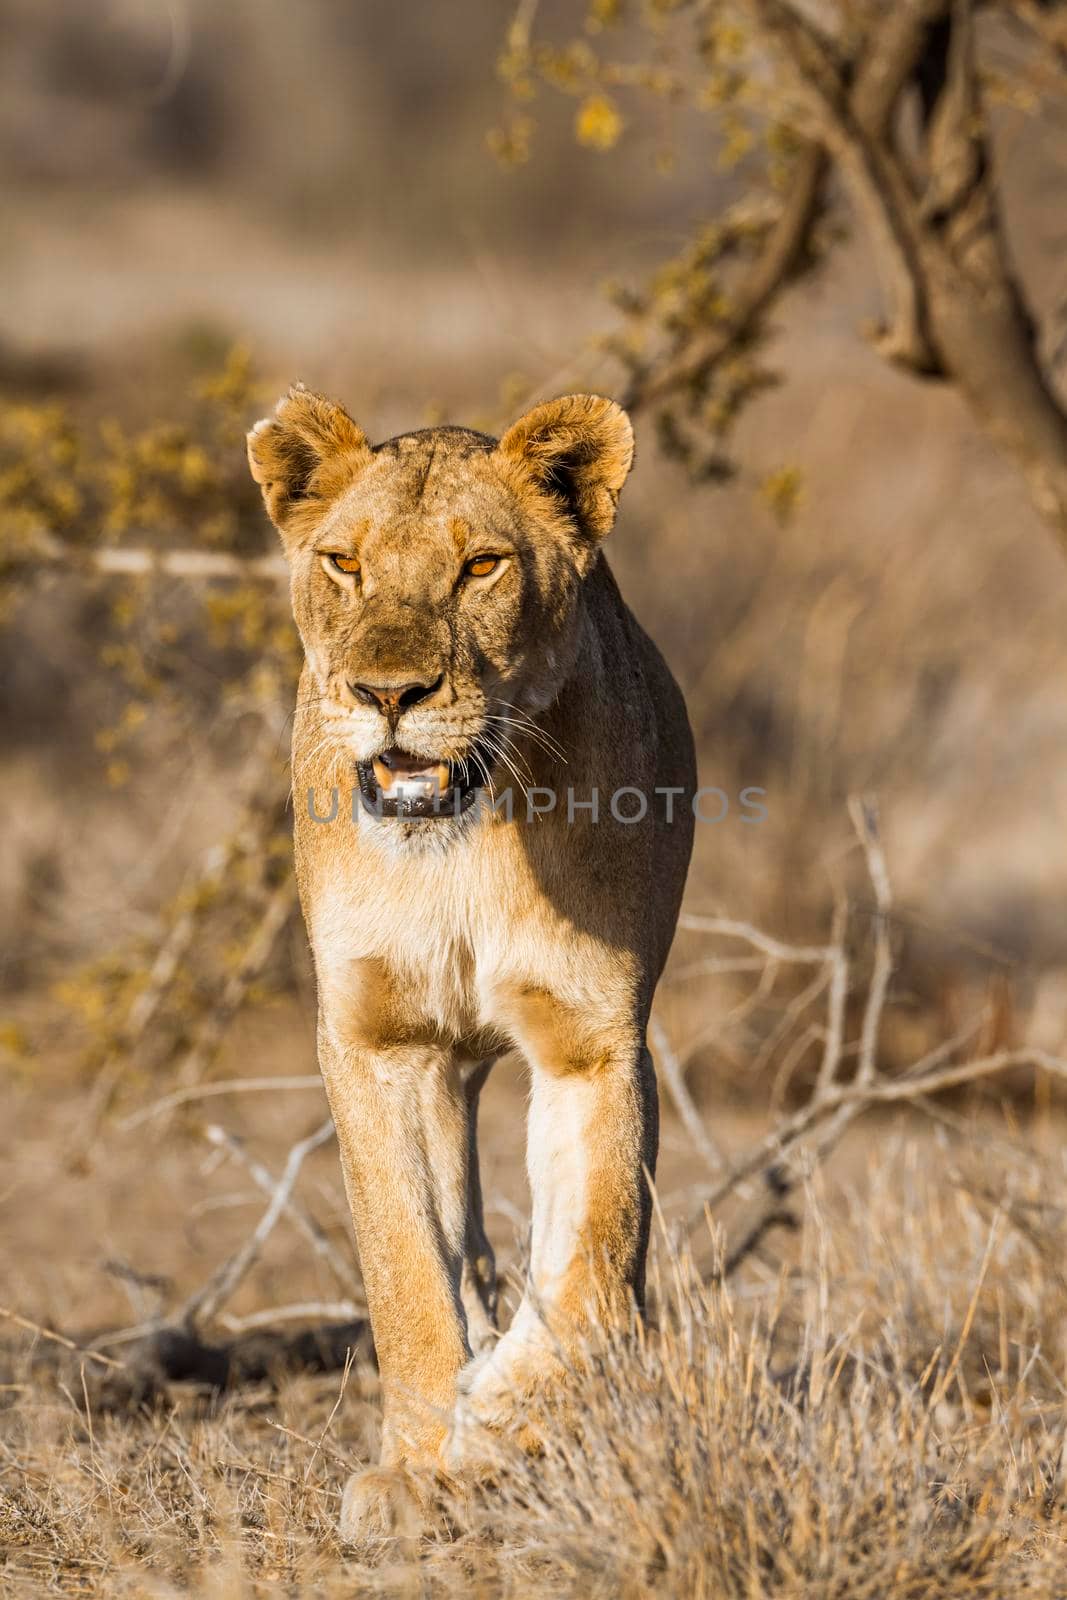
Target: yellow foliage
604	13
737	143
782	492
599	123
232	388
511	144
568	69
14	1041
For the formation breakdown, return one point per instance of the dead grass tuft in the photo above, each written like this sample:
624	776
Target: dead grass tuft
882	1418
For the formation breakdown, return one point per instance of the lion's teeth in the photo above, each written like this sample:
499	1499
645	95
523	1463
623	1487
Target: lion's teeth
412	783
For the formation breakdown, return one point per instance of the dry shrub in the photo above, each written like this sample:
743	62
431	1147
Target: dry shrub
887	1423
882	1418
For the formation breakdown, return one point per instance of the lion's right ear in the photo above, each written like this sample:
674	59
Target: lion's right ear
304	456
576	450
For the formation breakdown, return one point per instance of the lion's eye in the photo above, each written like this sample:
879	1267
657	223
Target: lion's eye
482	566
347	564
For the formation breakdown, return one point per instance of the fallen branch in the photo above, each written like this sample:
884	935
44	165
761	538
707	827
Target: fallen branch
259	1353
299	1311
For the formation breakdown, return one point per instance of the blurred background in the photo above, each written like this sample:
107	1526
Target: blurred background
204	203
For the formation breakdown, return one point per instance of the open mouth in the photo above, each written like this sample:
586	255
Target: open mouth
396	784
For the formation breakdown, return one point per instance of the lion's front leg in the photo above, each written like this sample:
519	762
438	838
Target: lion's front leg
402	1129
591	1133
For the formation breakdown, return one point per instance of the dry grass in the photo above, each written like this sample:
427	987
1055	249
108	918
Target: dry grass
881	1415
877	1409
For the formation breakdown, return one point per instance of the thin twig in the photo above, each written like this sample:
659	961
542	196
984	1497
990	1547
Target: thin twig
941	1388
864	814
246	838
729	928
205	1091
674	1077
837	998
208	1300
58	1338
277	1477
342	1270
792	1013
302	1438
329	1420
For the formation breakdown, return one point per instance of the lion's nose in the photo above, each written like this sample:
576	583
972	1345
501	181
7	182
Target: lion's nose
393	698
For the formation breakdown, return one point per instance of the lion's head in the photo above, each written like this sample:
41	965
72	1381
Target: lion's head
435	578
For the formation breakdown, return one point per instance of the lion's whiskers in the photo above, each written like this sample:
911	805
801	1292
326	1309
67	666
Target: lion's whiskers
330	737
524	732
507	743
484	770
533	730
502	756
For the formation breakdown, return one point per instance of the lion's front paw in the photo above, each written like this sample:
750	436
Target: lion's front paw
383	1503
500	1395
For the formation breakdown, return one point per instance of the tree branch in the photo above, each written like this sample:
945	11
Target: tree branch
956	308
879	79
674	1077
342	1269
207	1301
854	129
783	251
208	1091
137	562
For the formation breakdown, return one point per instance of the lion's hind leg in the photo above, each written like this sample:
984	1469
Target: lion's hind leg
478	1285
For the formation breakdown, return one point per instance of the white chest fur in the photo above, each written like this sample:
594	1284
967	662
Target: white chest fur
444	923
457	931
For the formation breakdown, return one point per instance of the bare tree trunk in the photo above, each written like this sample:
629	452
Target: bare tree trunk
956	309
986	346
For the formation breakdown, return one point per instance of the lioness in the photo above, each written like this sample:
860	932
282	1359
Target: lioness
464	638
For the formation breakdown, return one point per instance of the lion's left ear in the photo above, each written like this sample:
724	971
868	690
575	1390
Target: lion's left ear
578	450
